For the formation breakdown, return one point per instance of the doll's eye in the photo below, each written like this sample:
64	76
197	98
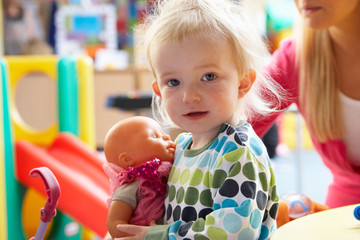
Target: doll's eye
153	136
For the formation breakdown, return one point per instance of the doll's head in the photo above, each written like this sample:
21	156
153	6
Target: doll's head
136	140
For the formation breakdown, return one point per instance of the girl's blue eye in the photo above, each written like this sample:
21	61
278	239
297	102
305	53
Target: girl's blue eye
209	77
153	136
173	82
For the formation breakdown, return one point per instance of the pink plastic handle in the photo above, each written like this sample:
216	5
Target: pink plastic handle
52	190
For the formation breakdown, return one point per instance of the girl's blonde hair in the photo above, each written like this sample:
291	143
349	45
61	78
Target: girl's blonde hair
319	84
174	20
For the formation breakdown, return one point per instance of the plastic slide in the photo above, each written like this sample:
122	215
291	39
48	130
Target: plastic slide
84	185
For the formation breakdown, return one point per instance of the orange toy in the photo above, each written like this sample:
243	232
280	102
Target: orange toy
288	204
140	157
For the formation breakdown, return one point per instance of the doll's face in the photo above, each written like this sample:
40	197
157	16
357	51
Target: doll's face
153	143
141	138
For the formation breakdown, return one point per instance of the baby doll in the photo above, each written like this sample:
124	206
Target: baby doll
139	158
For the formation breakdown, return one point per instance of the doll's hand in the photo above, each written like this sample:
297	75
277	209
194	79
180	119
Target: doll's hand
137	232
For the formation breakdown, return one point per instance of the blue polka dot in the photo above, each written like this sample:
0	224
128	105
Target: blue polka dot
221	144
229	147
215	143
244	209
232	223
255	219
175	227
219	213
273	229
256	146
229	203
204	161
213	161
264	233
181	138
190	162
247	233
177	158
216	206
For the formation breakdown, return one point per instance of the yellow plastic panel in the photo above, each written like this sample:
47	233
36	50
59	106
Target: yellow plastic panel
19	66
86	101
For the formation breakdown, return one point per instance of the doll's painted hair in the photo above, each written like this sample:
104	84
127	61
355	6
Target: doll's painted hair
175	20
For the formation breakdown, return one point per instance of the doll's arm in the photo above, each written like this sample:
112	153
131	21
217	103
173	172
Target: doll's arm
119	213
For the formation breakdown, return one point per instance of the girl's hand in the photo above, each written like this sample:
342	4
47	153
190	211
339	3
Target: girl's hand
137	232
108	236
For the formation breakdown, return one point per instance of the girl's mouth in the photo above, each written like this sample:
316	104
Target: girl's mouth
195	115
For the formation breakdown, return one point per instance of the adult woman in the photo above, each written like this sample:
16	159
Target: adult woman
320	70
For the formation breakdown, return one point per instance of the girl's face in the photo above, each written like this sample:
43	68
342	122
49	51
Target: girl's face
320	14
198	82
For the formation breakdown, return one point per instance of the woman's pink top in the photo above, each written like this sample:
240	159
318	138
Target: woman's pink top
345	188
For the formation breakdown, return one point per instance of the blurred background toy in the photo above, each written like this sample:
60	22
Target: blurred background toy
296	205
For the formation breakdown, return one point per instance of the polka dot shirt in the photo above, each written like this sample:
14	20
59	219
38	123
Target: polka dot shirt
225	190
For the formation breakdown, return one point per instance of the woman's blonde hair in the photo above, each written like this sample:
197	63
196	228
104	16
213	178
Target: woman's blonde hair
319	84
174	20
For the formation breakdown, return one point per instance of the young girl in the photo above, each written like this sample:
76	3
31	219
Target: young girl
320	70
205	56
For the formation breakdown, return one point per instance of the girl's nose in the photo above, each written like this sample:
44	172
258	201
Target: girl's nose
191	95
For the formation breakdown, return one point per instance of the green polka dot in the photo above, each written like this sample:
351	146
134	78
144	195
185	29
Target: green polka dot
184	176
176	176
191	196
171	174
207	179
249	171
219	178
210	220
167	191
198	225
249	156
216	233
206	198
219	162
272	178
200	237
196	177
180	195
274	196
263	181
172	192
235	169
235	155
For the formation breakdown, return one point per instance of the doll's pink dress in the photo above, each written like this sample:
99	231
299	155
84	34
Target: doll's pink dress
152	177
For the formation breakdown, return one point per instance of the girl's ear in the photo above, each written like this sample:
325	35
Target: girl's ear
125	160
156	89
246	82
